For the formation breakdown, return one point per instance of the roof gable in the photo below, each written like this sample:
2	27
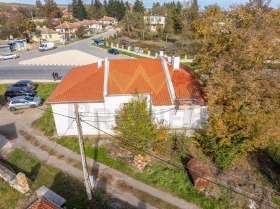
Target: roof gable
141	76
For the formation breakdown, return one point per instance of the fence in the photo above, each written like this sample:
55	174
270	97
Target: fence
145	53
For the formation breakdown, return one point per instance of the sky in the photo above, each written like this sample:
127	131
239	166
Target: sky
148	3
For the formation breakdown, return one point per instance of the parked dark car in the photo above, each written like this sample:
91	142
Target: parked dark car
18	91
113	51
24	83
24	102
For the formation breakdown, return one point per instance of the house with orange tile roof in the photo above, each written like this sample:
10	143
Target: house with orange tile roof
101	88
66	14
108	20
91	25
45	34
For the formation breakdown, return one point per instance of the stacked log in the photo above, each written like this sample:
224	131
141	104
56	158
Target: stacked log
140	162
199	173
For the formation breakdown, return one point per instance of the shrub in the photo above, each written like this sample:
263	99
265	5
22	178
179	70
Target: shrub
221	153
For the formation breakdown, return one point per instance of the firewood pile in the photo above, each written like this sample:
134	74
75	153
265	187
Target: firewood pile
140	162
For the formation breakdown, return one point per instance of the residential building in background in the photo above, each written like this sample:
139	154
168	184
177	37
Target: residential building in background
155	21
46	34
108	20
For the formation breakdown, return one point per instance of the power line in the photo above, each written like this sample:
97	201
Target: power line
174	164
200	174
236	176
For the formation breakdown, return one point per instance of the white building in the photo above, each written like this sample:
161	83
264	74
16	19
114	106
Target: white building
101	88
108	20
155	21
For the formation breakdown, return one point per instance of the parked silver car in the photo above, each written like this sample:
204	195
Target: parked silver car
8	56
24	102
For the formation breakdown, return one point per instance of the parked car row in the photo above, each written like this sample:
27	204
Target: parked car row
21	95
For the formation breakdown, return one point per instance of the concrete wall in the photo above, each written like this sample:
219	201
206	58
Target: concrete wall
99	117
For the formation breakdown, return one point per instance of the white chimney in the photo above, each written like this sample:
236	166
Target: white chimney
99	63
169	59
160	53
106	75
176	61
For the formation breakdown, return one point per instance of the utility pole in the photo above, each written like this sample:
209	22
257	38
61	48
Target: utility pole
86	176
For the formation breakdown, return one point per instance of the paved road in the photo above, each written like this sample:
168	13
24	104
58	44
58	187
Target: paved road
11	69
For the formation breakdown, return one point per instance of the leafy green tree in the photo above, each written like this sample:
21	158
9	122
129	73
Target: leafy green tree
79	10
157	9
40	11
81	31
243	97
138	7
116	8
134	124
51	9
129	21
20	25
98	10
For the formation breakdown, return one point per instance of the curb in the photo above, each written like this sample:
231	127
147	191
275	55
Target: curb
10	81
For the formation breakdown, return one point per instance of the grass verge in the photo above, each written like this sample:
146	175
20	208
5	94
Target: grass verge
66	186
159	175
124	52
46	122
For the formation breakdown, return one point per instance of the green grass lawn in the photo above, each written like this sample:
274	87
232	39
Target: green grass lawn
159	175
273	150
9	196
63	184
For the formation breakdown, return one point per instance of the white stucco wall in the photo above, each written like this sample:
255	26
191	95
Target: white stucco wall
102	116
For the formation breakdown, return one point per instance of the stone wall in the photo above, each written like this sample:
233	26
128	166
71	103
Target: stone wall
18	182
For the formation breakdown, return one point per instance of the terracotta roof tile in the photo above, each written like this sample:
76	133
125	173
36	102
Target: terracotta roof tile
80	84
45	30
84	84
186	86
140	75
43	203
67	25
106	18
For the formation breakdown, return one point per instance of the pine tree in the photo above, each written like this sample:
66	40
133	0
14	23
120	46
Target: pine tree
79	10
138	7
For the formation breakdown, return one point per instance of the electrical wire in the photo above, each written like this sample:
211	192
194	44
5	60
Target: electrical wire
231	188
233	175
201	175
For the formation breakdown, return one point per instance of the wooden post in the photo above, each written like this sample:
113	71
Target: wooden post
80	134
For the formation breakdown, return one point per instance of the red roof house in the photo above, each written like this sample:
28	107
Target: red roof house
101	88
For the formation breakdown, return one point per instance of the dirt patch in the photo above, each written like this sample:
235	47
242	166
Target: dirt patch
242	182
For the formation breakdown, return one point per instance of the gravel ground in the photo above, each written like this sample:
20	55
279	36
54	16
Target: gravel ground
68	57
